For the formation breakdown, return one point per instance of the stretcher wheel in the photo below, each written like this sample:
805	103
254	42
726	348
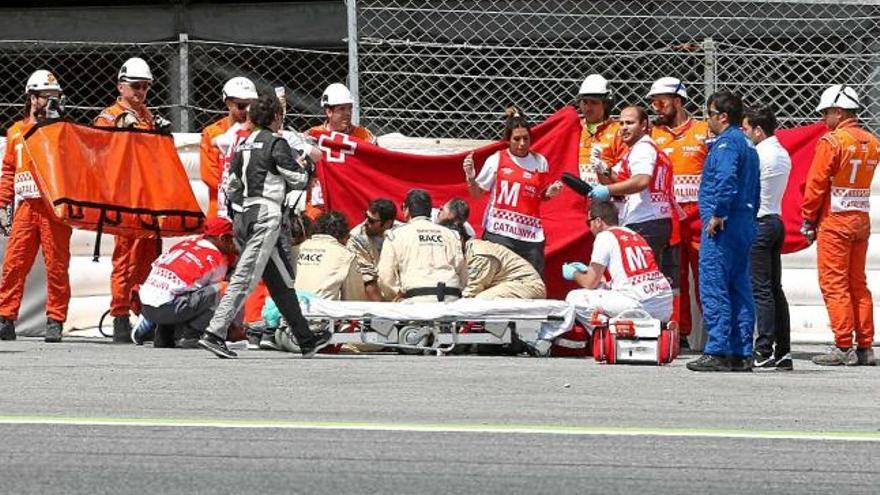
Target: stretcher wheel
413	335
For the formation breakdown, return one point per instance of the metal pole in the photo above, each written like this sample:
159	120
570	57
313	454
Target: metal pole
184	82
353	85
709	67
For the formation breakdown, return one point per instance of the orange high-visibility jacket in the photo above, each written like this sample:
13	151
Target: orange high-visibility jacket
686	147
607	139
210	162
840	176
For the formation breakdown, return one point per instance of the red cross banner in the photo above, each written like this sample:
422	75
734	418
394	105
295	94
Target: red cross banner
354	172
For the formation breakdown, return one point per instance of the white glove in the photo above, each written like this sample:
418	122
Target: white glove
6	220
468	166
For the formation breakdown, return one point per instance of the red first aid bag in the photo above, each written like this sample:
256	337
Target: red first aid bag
635	338
573	343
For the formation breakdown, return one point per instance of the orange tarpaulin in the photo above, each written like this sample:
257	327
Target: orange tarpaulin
120	181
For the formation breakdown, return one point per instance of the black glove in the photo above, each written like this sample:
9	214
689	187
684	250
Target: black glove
162	124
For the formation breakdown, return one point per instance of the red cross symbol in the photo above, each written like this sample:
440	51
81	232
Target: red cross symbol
342	145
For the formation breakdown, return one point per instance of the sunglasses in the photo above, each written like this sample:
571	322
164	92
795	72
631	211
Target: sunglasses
140	86
372	220
713	113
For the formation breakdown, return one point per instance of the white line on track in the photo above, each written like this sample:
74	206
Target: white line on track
855	436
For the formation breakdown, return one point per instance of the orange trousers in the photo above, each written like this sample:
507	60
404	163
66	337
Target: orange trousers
842	249
33	227
132	260
689	263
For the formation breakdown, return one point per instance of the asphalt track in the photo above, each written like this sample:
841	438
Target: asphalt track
90	417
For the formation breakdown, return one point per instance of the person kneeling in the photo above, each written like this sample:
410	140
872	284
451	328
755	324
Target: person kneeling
183	287
636	281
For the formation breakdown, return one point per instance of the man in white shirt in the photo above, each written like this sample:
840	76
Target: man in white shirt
636	282
774	326
644	178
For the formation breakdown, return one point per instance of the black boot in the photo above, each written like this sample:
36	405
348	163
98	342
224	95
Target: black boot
53	330
121	330
7	329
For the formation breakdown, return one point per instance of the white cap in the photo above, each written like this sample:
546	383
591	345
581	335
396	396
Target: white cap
594	84
336	94
41	80
135	69
668	86
840	96
241	88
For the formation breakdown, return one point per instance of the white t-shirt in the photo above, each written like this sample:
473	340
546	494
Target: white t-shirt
775	167
638	207
533	162
629	271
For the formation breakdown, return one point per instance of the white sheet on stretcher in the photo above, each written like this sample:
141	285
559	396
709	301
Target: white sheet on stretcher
561	312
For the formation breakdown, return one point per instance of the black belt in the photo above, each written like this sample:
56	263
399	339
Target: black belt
769	216
440	291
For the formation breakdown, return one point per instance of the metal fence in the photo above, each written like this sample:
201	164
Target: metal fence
188	76
449	67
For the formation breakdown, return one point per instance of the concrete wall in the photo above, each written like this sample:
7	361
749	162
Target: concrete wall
321	23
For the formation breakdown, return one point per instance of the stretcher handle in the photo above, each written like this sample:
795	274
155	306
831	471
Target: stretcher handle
75	212
200	221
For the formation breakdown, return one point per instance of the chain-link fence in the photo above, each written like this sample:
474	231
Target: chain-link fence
449	67
188	77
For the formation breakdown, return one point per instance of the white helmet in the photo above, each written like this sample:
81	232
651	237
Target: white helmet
840	96
41	80
135	69
668	86
594	85
241	88
336	94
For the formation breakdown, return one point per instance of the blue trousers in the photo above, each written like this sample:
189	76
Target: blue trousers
726	288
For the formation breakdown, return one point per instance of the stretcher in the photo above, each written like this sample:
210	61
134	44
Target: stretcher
429	327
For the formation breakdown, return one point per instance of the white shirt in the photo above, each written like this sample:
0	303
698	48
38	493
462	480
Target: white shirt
775	167
533	162
638	207
641	287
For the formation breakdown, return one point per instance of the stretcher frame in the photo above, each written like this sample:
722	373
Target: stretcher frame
445	332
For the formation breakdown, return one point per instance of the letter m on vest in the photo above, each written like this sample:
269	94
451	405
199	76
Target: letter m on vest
507	194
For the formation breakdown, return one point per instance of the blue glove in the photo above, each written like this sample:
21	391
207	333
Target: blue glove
599	192
570	269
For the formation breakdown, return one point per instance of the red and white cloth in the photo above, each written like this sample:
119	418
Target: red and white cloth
188	266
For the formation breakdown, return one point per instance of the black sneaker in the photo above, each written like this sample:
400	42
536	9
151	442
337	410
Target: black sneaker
7	329
216	345
866	357
741	364
121	330
320	341
784	363
762	362
267	341
53	330
707	362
